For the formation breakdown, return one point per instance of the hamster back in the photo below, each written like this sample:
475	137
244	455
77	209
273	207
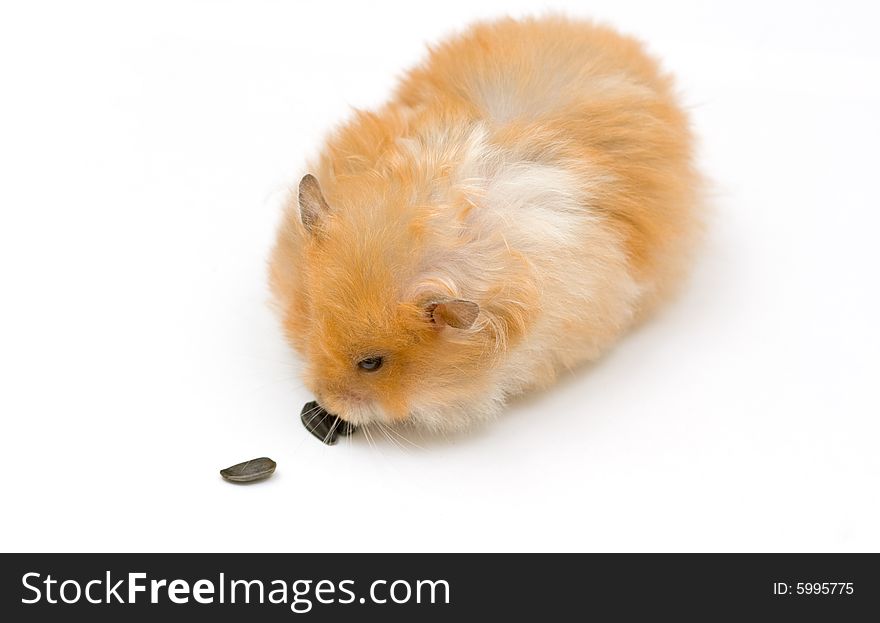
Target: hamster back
525	196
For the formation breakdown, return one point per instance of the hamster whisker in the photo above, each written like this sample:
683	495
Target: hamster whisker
396	444
332	430
381	430
369	437
404	438
312	412
375	441
316	412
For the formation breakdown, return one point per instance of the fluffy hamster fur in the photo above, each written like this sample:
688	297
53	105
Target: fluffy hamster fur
526	195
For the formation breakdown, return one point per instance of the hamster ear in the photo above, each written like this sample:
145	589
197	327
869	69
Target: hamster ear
312	206
456	313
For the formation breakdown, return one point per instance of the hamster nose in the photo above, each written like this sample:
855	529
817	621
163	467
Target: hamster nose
350	395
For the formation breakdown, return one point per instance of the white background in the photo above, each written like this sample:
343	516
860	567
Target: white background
144	151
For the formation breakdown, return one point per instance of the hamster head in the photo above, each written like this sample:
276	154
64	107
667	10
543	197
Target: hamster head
384	333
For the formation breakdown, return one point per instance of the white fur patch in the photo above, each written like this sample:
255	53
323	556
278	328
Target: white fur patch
540	213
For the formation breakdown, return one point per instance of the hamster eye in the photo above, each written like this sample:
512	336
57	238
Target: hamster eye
370	364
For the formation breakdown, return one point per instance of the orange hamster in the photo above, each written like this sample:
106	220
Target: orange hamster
526	195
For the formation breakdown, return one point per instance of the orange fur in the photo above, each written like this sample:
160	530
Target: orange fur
417	196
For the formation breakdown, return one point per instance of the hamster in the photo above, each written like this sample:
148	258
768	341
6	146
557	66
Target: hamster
527	195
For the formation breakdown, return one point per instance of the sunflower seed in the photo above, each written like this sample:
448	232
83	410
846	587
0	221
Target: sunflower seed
323	425
255	469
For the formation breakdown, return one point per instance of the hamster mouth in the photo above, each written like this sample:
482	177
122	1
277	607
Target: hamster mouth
324	425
